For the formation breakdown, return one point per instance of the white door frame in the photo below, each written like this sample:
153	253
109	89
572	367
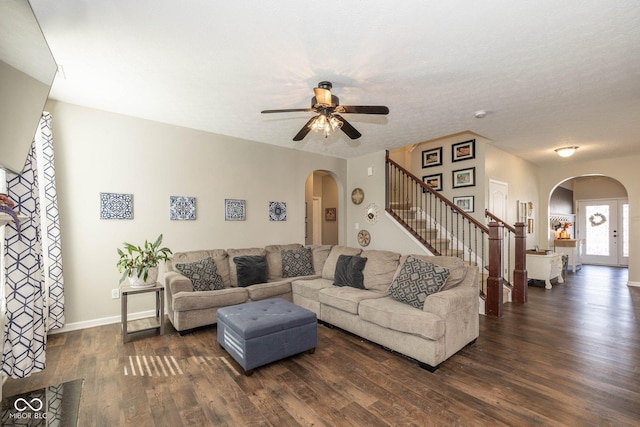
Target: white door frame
316	209
616	234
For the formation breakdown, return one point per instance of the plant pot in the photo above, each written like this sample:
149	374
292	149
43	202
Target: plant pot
138	282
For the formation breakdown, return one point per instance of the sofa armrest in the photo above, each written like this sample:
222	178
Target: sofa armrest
175	282
455	299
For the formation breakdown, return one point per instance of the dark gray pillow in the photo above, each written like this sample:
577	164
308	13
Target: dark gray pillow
297	262
251	269
349	271
417	280
203	274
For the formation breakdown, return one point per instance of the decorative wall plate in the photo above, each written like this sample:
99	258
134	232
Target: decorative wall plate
357	196
364	238
372	213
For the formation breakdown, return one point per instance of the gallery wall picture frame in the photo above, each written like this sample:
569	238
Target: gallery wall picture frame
432	157
463	150
434	180
235	210
464	177
466	203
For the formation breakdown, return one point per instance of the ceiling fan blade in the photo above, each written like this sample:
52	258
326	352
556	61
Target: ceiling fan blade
323	96
287	110
305	129
363	109
347	128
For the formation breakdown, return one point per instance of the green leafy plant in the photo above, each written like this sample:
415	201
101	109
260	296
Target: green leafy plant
138	260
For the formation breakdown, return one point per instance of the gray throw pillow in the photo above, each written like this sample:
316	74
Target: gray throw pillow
417	280
297	262
251	269
203	274
349	271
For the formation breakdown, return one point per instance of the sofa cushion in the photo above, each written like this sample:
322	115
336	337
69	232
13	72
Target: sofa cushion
269	290
416	280
297	262
380	269
310	288
319	254
457	267
329	269
274	259
251	269
233	272
391	314
207	300
202	273
346	298
349	271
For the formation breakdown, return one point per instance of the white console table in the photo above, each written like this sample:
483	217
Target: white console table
572	248
545	267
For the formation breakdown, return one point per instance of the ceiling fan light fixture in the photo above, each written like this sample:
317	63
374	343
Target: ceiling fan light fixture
566	151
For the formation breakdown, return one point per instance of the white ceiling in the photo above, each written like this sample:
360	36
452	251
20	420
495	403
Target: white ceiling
548	73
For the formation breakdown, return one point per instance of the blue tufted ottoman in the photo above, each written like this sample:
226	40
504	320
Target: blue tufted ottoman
262	332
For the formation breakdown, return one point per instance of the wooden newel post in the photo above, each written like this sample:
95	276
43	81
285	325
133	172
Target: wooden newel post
520	279
493	304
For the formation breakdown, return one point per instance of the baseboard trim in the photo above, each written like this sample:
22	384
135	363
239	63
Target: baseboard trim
634	284
101	322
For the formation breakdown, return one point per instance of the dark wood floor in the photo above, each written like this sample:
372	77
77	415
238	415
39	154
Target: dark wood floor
571	356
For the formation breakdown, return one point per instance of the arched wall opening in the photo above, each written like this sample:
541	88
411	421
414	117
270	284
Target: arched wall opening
592	213
323	212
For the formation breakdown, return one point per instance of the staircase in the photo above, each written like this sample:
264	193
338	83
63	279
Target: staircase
444	229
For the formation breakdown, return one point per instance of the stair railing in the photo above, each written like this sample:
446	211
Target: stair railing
445	229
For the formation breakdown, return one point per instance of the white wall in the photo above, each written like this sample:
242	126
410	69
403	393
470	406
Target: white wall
103	152
522	177
385	233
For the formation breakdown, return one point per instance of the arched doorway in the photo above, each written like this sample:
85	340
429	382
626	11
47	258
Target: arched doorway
322	208
597	210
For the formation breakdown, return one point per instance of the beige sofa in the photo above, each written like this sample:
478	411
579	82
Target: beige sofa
448	321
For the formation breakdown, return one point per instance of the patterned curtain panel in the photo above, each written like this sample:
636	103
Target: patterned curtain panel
34	286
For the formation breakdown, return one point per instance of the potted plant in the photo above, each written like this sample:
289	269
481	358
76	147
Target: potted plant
140	263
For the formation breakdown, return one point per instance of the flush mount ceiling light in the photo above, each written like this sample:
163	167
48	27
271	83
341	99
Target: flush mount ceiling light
566	151
480	114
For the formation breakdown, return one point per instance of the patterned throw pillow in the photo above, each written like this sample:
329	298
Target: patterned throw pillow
297	262
349	271
417	280
203	274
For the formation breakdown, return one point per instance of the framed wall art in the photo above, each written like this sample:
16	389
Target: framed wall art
277	211
464	202
182	208
432	157
464	177
235	210
435	181
116	206
330	214
463	150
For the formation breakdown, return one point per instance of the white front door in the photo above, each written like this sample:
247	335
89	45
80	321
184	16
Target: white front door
604	225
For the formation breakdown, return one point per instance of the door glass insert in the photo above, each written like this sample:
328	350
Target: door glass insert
597	230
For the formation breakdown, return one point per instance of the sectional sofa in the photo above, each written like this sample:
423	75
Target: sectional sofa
375	298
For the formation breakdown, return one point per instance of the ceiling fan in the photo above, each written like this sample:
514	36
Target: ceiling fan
328	120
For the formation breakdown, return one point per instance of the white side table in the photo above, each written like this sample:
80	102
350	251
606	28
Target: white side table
157	323
545	267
